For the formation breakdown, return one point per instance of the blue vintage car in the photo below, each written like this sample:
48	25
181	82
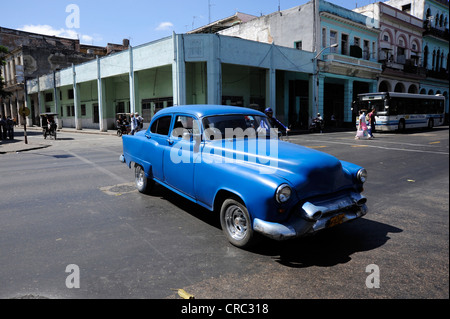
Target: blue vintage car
229	160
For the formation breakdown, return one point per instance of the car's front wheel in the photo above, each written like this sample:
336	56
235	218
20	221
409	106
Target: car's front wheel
236	224
143	184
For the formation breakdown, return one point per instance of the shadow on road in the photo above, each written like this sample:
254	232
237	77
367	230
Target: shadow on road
327	248
331	246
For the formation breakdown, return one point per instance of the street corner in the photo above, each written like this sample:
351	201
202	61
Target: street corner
19	144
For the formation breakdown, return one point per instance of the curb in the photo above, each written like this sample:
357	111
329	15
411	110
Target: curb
25	149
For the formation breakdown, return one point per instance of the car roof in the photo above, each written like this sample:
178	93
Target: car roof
208	110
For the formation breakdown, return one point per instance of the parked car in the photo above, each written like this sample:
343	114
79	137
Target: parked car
226	159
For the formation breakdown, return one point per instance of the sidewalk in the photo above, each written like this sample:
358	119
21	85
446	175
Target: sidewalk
36	139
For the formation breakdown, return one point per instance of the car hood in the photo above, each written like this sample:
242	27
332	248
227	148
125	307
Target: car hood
309	172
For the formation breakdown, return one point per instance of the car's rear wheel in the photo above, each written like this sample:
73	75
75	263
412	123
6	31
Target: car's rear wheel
143	184
236	223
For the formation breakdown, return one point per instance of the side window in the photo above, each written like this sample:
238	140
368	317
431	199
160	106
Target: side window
161	126
185	125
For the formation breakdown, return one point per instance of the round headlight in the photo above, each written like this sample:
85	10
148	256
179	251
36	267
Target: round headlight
362	175
283	193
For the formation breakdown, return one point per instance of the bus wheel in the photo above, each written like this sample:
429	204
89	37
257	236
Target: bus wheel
430	123
401	126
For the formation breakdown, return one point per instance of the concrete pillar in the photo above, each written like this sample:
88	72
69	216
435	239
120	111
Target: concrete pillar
131	82
178	71
76	100
214	73
101	102
348	100
271	90
320	94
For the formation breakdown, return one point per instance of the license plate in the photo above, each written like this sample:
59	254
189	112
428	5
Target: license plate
336	220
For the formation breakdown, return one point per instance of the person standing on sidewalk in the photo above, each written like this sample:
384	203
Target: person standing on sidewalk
134	124
10	128
2	127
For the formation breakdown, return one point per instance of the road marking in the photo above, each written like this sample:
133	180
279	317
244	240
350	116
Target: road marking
316	147
99	168
438	142
382	147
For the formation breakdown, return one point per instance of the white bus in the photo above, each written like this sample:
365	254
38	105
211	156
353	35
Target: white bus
399	111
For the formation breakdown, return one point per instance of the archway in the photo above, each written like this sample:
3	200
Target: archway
384	86
412	89
399	87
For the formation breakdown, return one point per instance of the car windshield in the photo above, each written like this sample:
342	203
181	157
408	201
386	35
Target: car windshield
237	126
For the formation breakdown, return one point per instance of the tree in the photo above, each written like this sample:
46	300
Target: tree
3	51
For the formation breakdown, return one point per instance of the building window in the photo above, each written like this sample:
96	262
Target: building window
407	8
333	40
401	55
48	97
83	109
324	37
344	44
233	100
120	107
366	50
374	50
356	42
298	45
70	94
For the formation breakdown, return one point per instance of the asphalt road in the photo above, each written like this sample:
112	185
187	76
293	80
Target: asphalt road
73	204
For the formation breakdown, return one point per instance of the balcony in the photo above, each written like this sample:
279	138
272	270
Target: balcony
442	74
345	59
438	33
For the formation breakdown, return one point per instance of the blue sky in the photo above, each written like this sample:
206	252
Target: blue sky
141	21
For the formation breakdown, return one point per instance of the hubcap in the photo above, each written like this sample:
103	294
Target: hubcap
139	178
236	222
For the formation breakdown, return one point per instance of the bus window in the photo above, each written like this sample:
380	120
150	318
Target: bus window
393	109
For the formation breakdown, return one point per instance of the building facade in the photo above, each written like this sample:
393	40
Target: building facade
434	15
31	55
400	44
345	46
182	69
313	58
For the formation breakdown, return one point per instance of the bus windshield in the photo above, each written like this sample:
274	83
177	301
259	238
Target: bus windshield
369	102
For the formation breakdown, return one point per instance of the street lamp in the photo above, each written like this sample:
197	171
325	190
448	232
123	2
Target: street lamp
315	75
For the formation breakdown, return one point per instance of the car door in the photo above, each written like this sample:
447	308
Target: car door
158	137
181	154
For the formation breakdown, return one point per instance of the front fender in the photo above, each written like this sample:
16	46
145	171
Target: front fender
256	190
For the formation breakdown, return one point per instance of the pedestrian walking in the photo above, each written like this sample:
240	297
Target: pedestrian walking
362	132
274	122
140	121
372	122
134	124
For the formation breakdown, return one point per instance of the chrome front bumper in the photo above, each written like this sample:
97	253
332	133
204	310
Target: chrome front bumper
311	218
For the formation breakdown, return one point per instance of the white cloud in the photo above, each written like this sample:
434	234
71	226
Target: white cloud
63	33
163	26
